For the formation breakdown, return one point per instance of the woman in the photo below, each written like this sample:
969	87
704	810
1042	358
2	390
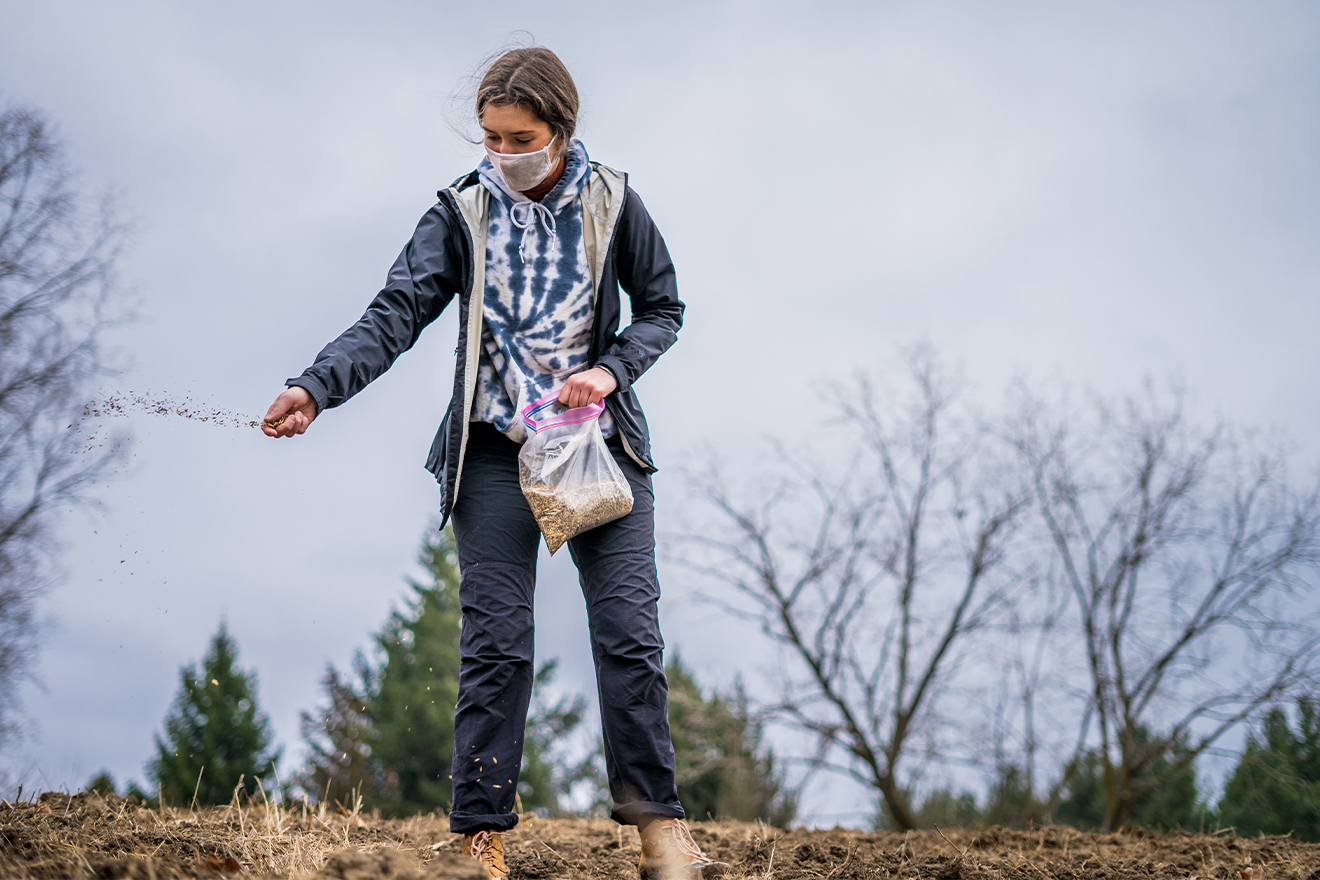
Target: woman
535	244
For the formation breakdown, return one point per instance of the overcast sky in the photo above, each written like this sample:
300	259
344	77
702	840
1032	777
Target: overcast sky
1107	190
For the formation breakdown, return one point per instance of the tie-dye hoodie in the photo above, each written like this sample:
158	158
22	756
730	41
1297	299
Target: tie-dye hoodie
439	266
539	303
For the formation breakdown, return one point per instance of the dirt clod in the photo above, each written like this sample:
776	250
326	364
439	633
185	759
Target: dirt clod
396	865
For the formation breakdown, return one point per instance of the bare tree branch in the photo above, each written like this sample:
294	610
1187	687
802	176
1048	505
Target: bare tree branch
1172	540
873	579
57	296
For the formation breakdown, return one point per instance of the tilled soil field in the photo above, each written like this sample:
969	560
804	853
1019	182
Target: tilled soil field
87	835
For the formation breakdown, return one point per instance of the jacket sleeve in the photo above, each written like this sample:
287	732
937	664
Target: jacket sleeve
426	276
647	275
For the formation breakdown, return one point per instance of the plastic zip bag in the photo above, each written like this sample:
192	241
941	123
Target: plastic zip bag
567	473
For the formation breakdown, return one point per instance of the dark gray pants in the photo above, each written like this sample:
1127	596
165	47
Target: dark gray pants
497	546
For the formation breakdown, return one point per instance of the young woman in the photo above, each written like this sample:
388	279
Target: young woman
535	245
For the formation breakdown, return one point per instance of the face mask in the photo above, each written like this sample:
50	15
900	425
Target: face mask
523	171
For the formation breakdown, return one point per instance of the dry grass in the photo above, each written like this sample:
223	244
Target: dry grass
87	835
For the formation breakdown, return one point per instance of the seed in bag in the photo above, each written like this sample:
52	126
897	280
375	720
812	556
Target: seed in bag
567	473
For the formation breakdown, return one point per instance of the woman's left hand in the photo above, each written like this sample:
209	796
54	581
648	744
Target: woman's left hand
587	387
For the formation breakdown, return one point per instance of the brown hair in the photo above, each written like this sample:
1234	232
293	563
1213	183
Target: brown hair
534	78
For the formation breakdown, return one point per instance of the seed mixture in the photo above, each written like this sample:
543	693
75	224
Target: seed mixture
563	512
122	404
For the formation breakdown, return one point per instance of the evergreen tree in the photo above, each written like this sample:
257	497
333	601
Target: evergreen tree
723	770
386	732
340	764
1275	788
216	738
1084	805
414	688
1011	801
1175	804
102	783
548	772
942	808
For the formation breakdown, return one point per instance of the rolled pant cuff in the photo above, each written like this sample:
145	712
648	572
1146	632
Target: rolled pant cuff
470	823
629	814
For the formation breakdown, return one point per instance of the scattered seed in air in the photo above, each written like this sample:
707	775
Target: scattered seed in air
165	405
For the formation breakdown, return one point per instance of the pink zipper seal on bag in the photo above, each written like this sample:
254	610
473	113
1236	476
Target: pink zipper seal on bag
568	417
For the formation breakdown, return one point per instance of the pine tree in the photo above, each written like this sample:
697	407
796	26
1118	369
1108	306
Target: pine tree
415	688
386	732
548	772
942	808
340	764
216	738
1011	800
1275	788
723	770
1175	804
102	783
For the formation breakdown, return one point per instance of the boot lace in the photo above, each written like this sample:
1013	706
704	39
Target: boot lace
486	849
683	842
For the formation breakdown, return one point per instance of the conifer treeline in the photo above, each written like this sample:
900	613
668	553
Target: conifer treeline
383	740
383	737
1274	789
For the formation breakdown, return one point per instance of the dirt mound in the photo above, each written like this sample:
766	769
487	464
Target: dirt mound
89	835
598	848
391	863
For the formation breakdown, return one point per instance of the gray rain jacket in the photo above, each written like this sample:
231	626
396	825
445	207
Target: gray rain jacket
447	257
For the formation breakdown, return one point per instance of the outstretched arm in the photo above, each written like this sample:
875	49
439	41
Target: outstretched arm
428	273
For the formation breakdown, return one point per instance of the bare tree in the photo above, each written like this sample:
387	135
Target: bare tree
871	577
57	295
1186	552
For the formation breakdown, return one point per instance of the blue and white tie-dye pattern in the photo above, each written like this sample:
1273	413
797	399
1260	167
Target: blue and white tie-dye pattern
539	304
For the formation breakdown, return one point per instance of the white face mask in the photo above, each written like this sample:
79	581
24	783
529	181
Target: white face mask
523	171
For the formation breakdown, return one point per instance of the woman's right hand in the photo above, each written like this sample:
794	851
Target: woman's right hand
290	414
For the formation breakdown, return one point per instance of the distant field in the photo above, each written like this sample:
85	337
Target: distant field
89	836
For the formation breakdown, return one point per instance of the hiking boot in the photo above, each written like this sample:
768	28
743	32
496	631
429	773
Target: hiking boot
669	852
487	848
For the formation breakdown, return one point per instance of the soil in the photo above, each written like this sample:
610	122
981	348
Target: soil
88	835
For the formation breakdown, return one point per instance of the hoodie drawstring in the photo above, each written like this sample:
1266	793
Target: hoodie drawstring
524	215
